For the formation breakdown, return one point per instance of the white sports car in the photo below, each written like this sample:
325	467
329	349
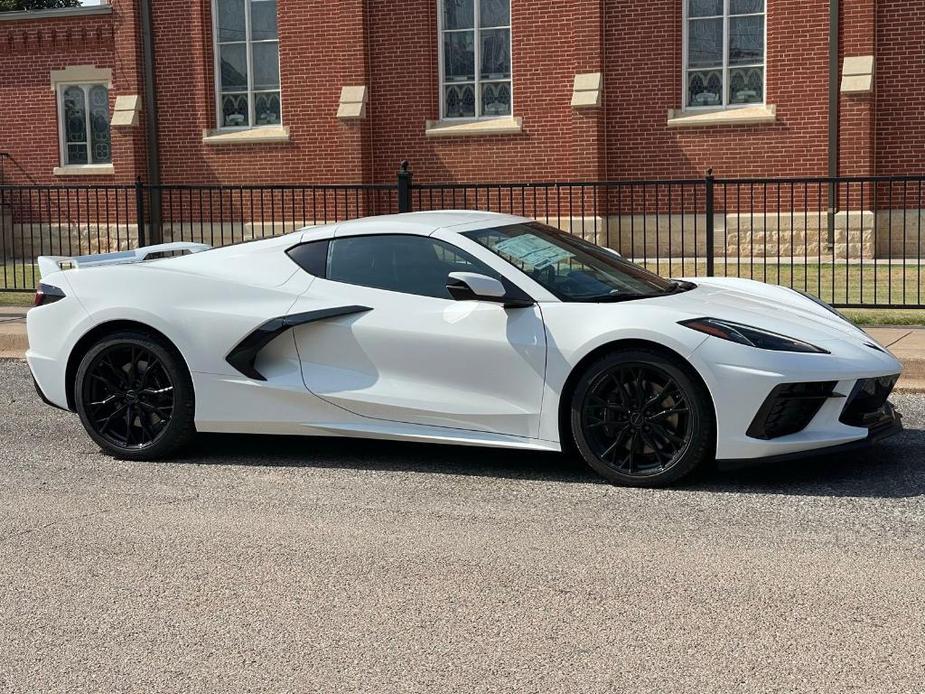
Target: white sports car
452	327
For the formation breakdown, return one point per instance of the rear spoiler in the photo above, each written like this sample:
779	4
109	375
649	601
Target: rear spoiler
52	263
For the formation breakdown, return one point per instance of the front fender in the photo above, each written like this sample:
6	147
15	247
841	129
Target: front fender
575	331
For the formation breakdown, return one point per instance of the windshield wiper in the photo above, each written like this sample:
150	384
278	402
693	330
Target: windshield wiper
615	298
676	286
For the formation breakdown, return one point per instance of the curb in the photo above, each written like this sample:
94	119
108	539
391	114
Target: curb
13	341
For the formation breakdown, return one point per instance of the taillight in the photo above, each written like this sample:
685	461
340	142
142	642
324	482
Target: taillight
47	294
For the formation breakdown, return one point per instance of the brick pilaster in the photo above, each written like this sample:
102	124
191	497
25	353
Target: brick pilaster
589	132
857	122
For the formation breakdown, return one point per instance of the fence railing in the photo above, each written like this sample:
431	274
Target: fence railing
852	241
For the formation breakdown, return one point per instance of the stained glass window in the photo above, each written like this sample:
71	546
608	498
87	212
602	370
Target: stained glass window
85	124
476	58
247	61
725	58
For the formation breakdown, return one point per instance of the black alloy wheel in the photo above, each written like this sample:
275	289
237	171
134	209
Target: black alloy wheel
640	420
134	397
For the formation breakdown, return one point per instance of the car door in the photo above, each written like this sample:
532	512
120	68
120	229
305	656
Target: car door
393	345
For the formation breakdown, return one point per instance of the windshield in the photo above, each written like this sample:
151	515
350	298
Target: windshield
570	268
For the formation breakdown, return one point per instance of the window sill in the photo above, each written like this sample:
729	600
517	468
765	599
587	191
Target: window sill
753	115
85	170
509	125
251	136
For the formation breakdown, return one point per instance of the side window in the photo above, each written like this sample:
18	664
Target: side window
311	257
399	263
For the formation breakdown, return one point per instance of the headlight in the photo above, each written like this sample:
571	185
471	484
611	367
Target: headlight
748	335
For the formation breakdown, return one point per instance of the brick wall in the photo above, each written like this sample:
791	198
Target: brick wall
900	72
405	93
392	48
644	60
321	50
29	51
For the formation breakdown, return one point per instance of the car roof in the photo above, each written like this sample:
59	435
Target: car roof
424	223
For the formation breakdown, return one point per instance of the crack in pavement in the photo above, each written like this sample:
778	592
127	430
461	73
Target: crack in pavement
899	339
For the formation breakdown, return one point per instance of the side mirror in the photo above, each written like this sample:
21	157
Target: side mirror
465	286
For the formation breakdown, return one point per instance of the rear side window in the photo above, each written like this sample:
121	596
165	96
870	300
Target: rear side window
311	257
400	263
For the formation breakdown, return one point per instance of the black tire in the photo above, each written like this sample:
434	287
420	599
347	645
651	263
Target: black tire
640	419
135	397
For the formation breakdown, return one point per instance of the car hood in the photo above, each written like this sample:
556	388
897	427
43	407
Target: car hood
770	307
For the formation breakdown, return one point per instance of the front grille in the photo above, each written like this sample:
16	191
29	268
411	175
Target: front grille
789	408
867	405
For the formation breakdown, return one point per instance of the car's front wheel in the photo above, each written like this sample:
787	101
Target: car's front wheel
134	396
639	419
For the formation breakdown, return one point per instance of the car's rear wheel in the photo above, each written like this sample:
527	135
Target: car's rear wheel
640	419
134	396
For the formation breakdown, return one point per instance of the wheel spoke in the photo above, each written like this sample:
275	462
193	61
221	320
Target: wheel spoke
662	394
631	458
617	441
105	401
667	434
163	412
157	392
660	454
106	421
664	414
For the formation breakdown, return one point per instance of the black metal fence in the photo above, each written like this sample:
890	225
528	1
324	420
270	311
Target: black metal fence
853	241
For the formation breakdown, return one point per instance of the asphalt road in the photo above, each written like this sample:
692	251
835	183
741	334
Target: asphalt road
267	564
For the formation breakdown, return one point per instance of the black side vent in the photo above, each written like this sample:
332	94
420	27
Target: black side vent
867	404
790	408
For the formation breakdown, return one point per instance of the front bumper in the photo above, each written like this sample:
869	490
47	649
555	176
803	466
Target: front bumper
889	425
741	379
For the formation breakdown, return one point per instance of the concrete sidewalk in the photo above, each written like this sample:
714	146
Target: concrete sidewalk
907	343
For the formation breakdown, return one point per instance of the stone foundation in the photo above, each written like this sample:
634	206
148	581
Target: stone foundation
33	240
857	235
901	233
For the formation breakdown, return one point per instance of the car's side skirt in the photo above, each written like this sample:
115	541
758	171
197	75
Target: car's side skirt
386	431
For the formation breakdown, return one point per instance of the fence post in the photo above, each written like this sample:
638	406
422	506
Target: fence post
140	210
404	187
710	182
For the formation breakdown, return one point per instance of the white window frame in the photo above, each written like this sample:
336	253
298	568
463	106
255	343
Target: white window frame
726	67
60	88
477	9
249	53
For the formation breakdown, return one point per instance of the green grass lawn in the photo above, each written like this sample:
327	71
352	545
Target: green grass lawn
18	276
881	284
843	284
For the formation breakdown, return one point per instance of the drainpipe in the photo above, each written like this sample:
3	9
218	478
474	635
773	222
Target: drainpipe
150	103
833	114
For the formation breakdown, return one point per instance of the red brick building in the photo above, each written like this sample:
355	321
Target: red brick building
282	91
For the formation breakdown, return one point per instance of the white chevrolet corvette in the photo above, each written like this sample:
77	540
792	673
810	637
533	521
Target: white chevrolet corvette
452	327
